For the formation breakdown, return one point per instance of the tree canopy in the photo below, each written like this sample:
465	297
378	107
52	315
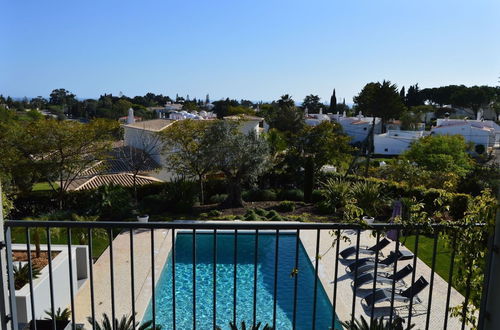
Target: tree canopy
380	100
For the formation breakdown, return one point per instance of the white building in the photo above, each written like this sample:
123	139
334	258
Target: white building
395	142
478	132
357	127
314	119
248	123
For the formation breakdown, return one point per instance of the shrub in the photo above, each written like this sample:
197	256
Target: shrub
60	314
271	214
260	212
317	196
259	195
291	195
214	213
369	197
286	206
250	215
336	193
180	195
113	202
22	275
276	218
153	204
217	199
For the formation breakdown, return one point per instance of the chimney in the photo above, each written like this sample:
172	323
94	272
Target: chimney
320	111
130	118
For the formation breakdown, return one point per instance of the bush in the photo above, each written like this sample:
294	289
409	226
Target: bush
276	218
336	193
271	214
259	195
153	204
214	213
286	206
217	199
260	212
369	197
180	195
291	195
317	196
113	202
250	215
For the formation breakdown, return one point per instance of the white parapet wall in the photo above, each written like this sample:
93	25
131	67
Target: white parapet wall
60	279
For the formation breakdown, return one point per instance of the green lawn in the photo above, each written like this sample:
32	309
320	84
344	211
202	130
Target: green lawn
99	240
43	186
425	249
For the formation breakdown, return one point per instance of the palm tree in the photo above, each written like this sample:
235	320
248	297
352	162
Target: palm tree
244	327
378	324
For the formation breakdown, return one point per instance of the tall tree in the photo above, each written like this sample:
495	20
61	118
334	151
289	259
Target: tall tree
284	115
333	102
242	158
402	94
316	146
188	151
380	100
312	104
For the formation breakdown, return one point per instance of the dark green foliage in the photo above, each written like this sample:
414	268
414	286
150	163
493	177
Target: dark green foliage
217	199
180	195
291	195
233	326
22	275
214	213
153	204
317	196
259	195
272	214
250	215
378	324
113	202
125	323
60	315
286	206
261	212
369	197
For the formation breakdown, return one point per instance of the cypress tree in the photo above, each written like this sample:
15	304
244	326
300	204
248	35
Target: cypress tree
333	102
402	94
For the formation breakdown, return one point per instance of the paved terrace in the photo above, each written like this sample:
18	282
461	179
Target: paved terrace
326	271
122	275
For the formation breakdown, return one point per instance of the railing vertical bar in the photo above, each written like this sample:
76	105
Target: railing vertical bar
173	280
112	275
431	285
10	277
30	266
316	265
132	274
295	280
235	274
51	279
255	268
353	310
91	272
153	293
215	281
71	287
450	279
391	312
413	275
467	296
334	305
372	313
275	293
194	278
3	295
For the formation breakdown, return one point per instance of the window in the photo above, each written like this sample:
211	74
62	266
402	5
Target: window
364	128
386	150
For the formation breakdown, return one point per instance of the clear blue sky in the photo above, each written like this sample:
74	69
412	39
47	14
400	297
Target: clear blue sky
256	50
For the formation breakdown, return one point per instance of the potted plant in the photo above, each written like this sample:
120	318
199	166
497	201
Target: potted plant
143	218
369	220
62	318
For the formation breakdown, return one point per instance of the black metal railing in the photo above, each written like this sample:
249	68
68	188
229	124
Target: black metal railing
336	230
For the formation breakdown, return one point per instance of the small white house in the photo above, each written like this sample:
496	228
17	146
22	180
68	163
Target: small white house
478	132
314	119
248	123
395	142
357	127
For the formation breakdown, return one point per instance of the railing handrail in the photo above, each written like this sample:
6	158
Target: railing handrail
226	224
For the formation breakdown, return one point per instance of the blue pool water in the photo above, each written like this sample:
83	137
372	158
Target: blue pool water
244	284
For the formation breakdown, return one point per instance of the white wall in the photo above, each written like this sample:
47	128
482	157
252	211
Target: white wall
143	139
60	278
386	145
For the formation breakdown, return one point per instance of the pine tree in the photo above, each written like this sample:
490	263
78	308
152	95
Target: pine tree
333	102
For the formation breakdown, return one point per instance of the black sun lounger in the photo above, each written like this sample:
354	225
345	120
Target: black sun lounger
366	264
350	251
382	295
383	277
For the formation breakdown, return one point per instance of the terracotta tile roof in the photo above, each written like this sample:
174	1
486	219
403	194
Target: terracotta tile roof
122	179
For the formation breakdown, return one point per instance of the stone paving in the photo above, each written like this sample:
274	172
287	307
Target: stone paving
122	275
345	290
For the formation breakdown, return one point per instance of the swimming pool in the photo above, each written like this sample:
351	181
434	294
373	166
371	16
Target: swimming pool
244	283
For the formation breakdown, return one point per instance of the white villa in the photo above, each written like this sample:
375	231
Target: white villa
395	142
357	127
478	132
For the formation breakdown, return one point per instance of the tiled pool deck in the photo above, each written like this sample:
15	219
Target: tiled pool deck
143	283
